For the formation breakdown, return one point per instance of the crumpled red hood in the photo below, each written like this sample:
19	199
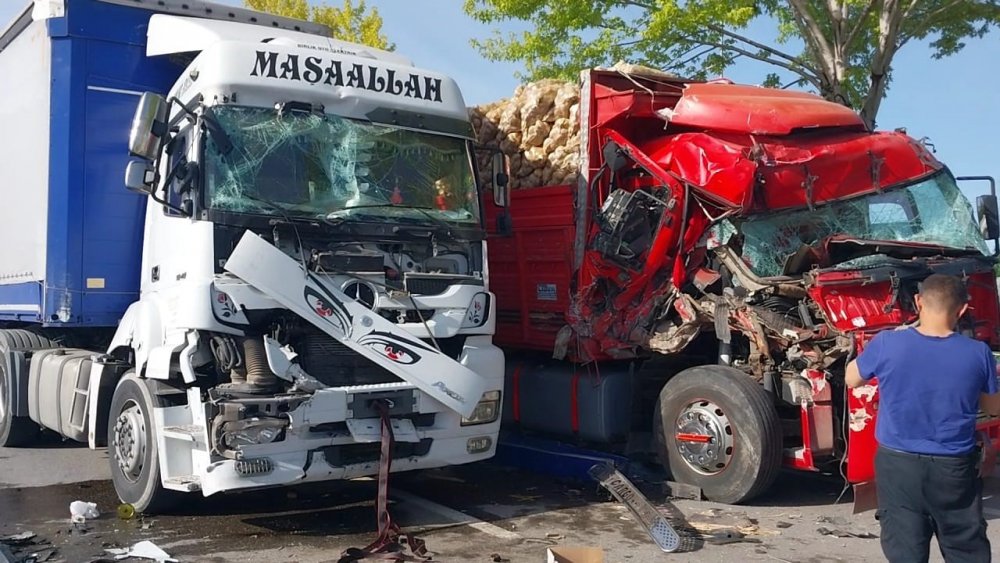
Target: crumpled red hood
739	108
755	173
756	149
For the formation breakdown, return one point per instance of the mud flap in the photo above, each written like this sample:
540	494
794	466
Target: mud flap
865	498
278	275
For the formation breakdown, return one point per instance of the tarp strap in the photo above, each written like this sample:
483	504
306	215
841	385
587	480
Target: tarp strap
388	546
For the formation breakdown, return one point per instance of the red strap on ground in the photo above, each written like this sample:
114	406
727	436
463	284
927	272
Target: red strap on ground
387	545
516	397
574	402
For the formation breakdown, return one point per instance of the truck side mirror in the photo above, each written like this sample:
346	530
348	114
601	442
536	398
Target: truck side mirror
139	177
149	126
989	216
501	180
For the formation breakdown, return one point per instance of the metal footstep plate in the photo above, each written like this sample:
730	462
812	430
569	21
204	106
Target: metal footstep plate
658	528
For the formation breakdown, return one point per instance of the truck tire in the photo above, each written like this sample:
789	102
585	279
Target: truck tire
716	428
16	430
132	449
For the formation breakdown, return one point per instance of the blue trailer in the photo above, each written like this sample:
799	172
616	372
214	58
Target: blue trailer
71	78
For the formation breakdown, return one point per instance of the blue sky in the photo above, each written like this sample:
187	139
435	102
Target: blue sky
953	101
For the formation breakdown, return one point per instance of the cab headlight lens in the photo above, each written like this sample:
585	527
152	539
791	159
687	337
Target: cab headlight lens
487	410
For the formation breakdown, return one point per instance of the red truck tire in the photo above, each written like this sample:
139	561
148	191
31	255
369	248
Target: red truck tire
717	428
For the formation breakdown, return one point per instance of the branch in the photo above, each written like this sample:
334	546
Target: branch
748	41
638	4
681	64
799	71
793	83
860	24
814	35
926	21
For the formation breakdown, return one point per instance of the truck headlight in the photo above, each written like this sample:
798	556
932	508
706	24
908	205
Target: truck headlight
487	410
478	311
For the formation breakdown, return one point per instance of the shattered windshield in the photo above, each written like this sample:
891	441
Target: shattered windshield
933	211
328	166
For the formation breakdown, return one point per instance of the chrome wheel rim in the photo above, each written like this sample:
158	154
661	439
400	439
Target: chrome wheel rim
704	437
130	441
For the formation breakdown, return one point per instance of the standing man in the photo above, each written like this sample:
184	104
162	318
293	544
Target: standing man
932	383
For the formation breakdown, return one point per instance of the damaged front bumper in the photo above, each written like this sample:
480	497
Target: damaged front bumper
332	434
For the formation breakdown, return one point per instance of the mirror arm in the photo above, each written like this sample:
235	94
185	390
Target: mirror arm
169	205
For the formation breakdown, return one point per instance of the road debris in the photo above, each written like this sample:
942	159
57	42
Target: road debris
497	558
142	550
656	525
574	555
842	528
81	511
837	533
672	489
125	511
18	539
724	536
25	547
6	555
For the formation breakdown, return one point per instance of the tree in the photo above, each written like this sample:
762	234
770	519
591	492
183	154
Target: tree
842	49
353	22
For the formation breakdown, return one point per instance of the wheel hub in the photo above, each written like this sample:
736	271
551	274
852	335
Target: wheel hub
704	437
130	441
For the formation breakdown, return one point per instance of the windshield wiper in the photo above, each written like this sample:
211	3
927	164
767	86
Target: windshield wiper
339	216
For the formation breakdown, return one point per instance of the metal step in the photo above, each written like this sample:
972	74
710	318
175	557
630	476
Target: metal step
187	432
187	483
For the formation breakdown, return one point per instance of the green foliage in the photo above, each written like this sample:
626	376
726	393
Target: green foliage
842	49
352	22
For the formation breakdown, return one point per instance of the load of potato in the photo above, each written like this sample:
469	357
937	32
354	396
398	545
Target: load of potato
538	128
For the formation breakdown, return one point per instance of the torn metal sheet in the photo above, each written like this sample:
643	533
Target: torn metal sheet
359	328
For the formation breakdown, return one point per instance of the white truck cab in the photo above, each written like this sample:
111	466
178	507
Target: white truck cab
313	257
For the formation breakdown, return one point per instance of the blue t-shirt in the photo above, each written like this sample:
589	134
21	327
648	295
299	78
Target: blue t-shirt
929	389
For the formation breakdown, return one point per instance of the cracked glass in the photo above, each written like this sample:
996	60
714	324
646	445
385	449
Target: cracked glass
325	166
933	211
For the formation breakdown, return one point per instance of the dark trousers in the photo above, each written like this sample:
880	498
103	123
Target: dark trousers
920	495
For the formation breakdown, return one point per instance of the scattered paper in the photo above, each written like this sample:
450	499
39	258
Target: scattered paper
142	550
80	511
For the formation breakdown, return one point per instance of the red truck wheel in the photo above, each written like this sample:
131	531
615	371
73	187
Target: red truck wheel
716	428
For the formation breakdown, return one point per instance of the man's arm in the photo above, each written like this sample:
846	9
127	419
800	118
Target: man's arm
852	376
989	399
990	404
866	365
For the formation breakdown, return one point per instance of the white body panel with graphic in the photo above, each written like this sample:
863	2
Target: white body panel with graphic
275	273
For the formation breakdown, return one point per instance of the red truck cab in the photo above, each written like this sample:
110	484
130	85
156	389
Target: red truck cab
726	251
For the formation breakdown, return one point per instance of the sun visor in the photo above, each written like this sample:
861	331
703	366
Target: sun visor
177	34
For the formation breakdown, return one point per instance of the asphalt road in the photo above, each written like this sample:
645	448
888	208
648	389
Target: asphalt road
465	514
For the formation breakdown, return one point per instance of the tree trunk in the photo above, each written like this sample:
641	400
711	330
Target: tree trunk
873	100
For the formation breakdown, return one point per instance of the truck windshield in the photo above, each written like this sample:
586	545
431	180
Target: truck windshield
327	166
933	211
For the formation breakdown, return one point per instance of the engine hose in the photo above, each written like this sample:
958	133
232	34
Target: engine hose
255	358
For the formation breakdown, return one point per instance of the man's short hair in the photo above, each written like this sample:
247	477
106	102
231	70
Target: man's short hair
943	292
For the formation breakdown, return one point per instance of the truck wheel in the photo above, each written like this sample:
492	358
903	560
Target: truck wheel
16	430
718	429
132	449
